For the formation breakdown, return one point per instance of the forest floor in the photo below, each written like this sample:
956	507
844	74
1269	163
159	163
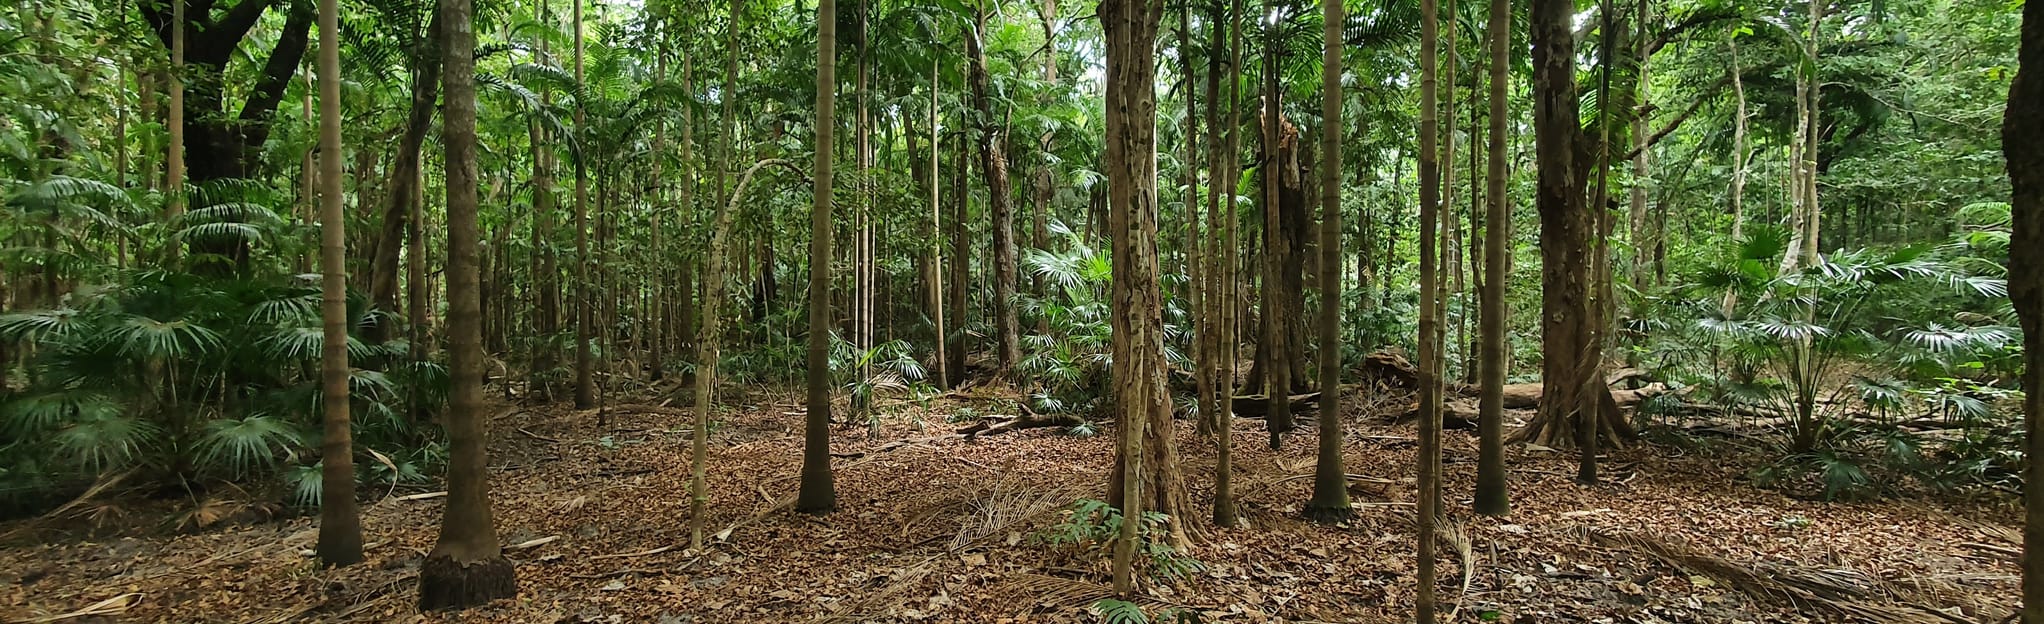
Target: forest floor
932	527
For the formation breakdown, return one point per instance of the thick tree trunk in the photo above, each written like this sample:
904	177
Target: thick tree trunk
340	522
2021	125
818	493
1146	477
466	567
221	142
1566	226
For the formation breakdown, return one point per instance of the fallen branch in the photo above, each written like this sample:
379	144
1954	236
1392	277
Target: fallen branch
651	409
1351	477
535	436
424	496
998	425
642	553
534	543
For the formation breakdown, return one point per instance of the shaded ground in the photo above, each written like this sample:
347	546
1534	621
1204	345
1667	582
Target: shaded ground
935	528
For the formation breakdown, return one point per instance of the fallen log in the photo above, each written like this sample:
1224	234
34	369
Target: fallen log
995	425
1256	405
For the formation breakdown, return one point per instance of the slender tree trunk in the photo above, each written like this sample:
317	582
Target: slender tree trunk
2021	125
1228	263
174	161
1429	322
685	297
1589	367
707	349
1143	476
1330	480
1811	94
415	280
1275	364
961	258
1195	244
466	567
1212	301
1492	498
1046	186
818	494
340	523
1740	155
406	176
993	161
585	381
936	245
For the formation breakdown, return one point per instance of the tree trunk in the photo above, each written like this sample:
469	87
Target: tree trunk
585	381
1429	459
224	142
406	179
818	492
1273	363
1330	482
993	161
1600	260
340	523
936	246
1566	226
961	261
1228	263
1740	154
466	567
1492	497
2021	125
707	348
1146	468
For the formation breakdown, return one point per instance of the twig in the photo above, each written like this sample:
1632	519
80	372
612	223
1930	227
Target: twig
534	543
642	553
535	436
422	496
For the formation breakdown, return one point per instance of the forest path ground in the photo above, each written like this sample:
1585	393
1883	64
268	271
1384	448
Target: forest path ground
940	529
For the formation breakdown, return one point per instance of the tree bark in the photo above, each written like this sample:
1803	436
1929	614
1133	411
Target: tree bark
1146	468
993	161
340	522
2021	125
1429	459
405	174
1330	484
1566	226
466	566
585	380
1492	496
1227	263
936	246
818	493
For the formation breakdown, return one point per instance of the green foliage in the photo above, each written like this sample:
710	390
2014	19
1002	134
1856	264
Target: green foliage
1112	611
1092	527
